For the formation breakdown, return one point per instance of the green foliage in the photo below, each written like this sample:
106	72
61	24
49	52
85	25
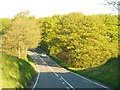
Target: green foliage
44	46
30	60
107	73
23	34
16	73
4	24
80	40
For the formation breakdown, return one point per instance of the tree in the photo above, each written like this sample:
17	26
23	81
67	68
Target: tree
114	3
23	34
80	40
22	14
5	24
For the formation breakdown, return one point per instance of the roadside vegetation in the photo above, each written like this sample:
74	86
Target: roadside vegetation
107	73
84	44
21	34
17	73
81	43
18	35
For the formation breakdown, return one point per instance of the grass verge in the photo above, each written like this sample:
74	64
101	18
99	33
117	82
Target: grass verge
17	73
107	73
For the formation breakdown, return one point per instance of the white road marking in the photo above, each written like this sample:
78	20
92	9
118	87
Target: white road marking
37	75
75	74
68	83
91	81
57	74
84	77
68	88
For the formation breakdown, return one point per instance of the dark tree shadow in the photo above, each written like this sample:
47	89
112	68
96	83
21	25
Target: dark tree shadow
44	47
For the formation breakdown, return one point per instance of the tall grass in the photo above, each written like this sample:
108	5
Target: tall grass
16	73
107	74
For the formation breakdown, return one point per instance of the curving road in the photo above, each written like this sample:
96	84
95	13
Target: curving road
51	75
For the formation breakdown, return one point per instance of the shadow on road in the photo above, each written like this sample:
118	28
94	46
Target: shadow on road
54	76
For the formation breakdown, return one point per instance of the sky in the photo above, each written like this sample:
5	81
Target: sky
45	8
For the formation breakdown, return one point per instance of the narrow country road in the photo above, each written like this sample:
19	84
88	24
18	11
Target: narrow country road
51	75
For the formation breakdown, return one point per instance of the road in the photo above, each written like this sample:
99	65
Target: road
51	75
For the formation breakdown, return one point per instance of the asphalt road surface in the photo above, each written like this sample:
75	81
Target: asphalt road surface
51	75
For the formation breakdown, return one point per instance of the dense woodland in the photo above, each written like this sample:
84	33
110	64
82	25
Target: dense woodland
20	34
79	40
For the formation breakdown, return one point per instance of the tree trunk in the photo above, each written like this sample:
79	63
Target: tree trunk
19	52
26	54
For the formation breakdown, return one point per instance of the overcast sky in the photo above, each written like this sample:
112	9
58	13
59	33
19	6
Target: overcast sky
44	8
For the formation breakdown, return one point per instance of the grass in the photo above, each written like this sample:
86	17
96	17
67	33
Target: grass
107	74
17	73
30	60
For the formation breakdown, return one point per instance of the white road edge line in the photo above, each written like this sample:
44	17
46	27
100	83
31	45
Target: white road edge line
91	81
37	75
57	74
80	76
67	83
83	77
68	88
